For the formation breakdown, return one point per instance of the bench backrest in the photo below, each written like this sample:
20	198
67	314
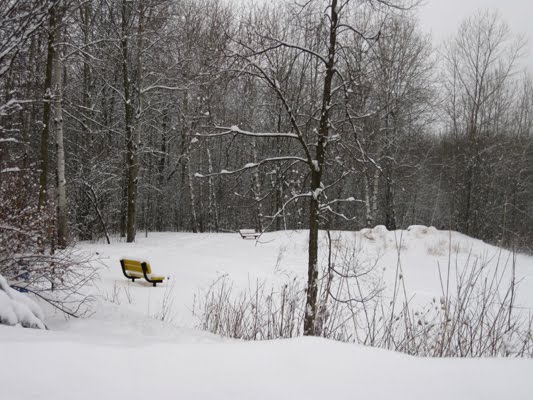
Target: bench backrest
247	231
134	265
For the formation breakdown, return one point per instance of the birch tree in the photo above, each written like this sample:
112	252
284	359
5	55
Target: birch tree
57	100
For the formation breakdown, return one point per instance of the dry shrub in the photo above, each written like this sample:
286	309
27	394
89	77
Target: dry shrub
256	313
477	317
28	258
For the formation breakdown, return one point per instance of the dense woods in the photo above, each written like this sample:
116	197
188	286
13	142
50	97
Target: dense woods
119	117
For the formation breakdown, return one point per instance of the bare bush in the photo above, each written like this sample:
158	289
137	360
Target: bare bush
58	279
28	259
165	313
116	295
475	316
257	313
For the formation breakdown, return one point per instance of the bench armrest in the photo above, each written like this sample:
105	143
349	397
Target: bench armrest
124	270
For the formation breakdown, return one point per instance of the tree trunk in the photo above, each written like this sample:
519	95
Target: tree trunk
213	210
256	191
58	125
45	134
131	120
316	179
192	199
160	217
390	217
312	267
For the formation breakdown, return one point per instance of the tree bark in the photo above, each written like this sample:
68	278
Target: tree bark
45	134
132	134
316	179
192	198
213	209
256	191
60	148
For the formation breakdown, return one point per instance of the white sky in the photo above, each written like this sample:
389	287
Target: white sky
442	18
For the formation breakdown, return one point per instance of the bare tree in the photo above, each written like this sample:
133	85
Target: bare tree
480	61
315	125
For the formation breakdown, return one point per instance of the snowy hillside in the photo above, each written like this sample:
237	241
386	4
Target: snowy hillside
192	262
136	327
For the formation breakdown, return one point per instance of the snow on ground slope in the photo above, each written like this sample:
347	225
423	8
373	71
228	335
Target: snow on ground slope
194	261
124	351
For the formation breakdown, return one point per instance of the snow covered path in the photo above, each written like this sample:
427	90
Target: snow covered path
48	365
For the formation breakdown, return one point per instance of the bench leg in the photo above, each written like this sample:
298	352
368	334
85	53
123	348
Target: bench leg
154	284
133	279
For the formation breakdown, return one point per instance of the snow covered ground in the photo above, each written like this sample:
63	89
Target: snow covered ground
125	351
192	262
57	365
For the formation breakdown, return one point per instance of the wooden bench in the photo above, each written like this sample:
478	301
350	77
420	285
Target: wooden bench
249	233
134	269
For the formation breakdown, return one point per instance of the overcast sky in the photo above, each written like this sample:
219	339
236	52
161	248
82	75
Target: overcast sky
442	17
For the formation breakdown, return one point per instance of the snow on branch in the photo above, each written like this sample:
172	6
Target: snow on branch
163	87
10	140
238	131
338	214
6	108
252	165
281	43
5	227
17	27
274	84
347	200
6	170
284	206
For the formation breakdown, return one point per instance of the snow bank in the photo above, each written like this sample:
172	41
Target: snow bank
306	368
18	309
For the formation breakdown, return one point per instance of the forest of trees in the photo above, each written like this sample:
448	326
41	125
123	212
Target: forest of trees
124	116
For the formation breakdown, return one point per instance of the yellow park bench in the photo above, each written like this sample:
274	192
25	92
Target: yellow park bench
134	269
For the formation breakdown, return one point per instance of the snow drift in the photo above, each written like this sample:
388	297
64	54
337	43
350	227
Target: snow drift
18	309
